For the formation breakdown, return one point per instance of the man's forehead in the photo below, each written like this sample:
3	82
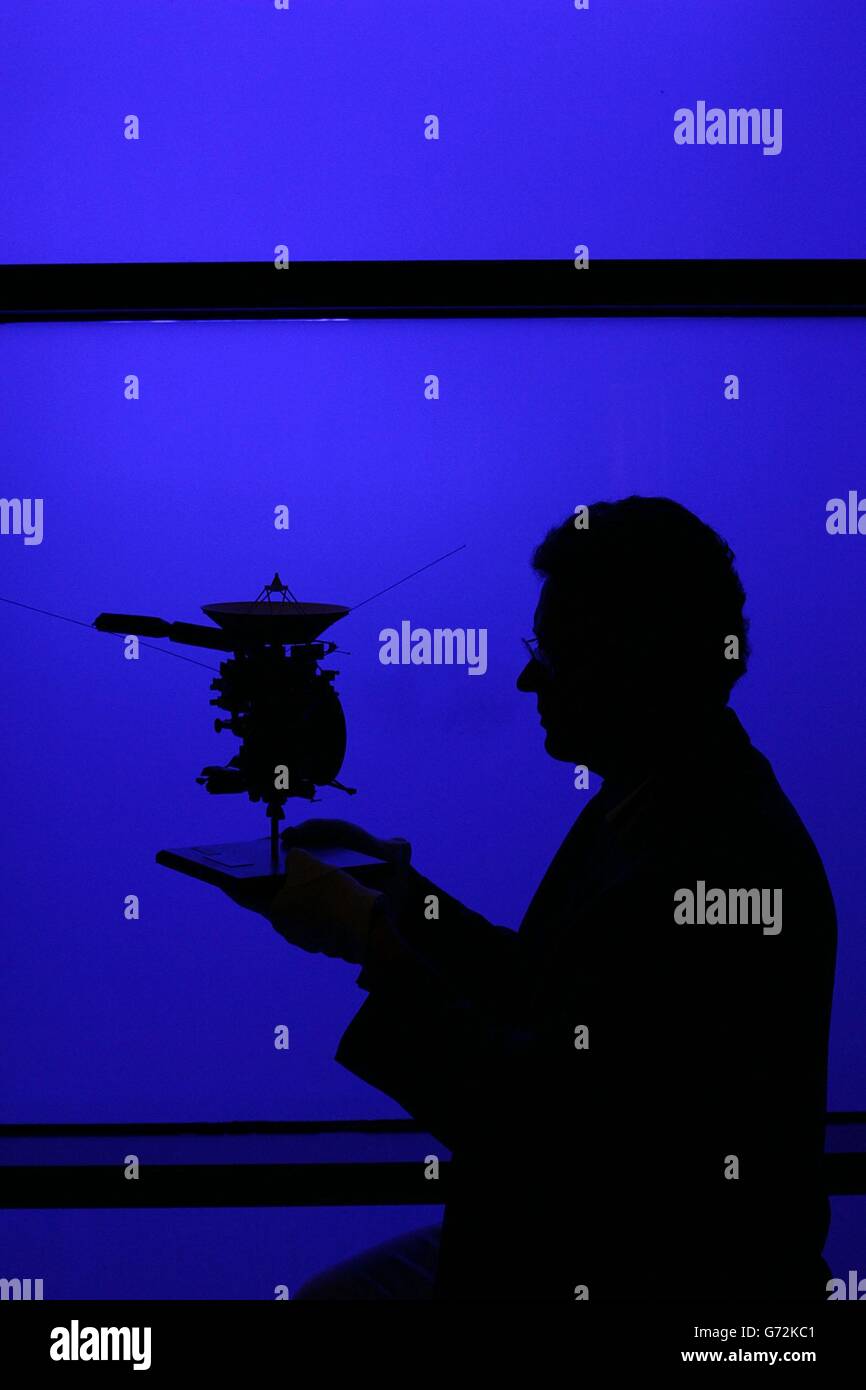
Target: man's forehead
548	612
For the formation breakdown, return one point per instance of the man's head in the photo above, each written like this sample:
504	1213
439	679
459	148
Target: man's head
635	617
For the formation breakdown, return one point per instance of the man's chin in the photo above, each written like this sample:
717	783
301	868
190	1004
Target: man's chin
555	747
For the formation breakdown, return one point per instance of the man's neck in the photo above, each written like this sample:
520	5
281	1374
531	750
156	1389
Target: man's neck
672	742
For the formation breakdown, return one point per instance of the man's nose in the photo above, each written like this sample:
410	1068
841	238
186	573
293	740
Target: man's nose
528	678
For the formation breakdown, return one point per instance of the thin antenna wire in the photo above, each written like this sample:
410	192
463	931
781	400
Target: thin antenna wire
407	576
61	617
78	622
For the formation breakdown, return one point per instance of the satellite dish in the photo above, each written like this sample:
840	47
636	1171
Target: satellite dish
274	622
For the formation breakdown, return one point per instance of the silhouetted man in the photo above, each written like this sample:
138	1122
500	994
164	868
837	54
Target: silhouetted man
633	1085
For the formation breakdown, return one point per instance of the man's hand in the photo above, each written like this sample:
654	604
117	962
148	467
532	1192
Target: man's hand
344	834
319	908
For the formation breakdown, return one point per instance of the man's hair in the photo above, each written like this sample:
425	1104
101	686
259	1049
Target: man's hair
647	569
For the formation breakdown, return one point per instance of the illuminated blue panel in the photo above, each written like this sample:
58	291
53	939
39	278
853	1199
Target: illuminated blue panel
312	127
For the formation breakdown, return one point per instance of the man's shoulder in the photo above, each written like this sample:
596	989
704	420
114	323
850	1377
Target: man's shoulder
723	806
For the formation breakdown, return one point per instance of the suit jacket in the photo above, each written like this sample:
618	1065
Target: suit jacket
635	1105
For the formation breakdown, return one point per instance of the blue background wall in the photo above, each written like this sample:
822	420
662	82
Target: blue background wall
165	503
305	127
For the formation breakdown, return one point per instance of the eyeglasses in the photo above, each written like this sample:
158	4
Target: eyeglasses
538	654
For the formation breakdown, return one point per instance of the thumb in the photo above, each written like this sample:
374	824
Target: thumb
303	868
396	850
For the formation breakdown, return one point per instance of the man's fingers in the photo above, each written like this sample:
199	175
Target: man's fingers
254	899
321	831
344	834
304	868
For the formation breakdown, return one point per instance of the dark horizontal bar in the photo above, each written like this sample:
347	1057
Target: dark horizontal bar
97	1131
224	1185
430	289
275	1184
216	1127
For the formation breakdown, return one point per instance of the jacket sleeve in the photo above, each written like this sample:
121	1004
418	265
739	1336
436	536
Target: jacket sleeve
441	1033
450	942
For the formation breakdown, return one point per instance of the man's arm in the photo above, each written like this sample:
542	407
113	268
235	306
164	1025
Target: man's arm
427	934
461	1063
